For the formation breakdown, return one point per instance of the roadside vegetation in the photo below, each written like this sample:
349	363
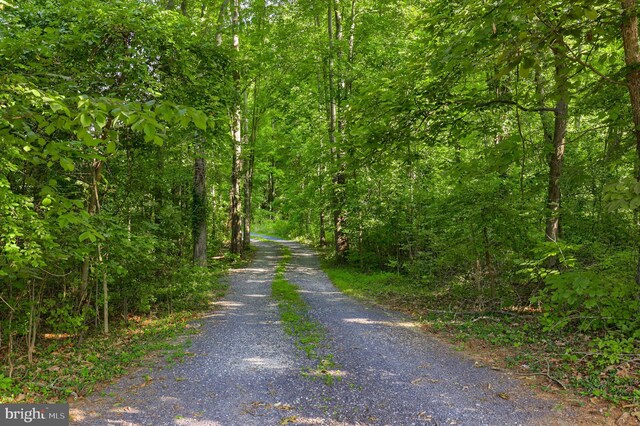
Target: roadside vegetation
68	366
520	338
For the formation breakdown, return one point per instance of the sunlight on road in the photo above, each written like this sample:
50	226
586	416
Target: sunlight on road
229	304
195	422
366	321
252	270
265	362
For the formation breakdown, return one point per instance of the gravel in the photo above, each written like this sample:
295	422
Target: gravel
247	371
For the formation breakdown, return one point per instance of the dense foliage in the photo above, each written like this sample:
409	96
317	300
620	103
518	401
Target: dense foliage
102	104
486	150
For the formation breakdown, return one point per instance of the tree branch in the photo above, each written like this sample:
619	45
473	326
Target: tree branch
516	104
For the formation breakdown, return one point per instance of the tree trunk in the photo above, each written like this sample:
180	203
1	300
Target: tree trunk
324	102
546	118
223	8
632	61
199	191
199	218
556	158
271	187
92	209
236	129
339	198
248	170
105	293
322	238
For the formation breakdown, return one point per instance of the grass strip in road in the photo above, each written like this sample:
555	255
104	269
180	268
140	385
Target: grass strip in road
308	334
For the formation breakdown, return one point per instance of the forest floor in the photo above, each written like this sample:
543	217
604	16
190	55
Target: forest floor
370	365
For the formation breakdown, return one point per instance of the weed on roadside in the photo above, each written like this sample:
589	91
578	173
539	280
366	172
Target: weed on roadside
603	366
68	367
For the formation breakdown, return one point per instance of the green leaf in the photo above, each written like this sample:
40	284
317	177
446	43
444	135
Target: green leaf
87	235
85	120
200	120
55	107
149	129
67	164
50	129
111	147
101	120
591	14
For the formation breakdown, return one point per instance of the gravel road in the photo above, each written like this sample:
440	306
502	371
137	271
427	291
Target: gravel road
247	371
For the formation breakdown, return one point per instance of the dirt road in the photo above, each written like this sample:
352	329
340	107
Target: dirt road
247	371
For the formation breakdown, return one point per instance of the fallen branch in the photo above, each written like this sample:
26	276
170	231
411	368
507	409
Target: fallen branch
484	317
547	375
483	313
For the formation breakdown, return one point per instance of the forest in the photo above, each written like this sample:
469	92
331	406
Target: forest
483	156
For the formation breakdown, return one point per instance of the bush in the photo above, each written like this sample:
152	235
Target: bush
593	300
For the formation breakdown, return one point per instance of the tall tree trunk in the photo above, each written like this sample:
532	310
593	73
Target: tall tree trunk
199	191
199	218
271	188
546	118
322	238
561	78
335	95
236	129
632	60
223	8
105	292
249	167
93	208
324	107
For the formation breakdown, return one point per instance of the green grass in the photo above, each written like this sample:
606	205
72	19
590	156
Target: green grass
568	358
308	334
364	286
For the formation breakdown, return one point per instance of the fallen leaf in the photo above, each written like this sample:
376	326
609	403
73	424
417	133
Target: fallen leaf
287	420
504	396
424	416
624	420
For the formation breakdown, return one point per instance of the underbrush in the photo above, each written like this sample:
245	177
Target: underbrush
67	365
275	228
601	361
